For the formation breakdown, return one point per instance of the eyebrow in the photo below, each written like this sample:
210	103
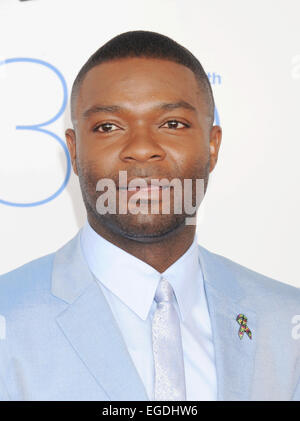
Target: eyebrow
117	108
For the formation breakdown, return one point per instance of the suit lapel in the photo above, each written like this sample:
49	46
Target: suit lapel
90	327
234	357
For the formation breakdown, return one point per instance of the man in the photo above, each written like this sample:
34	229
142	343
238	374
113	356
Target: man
132	308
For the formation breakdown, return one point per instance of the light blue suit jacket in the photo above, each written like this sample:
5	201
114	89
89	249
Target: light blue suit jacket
62	342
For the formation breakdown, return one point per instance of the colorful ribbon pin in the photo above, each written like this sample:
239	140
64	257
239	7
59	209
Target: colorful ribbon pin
242	321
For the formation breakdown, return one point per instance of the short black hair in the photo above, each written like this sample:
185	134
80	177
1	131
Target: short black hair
145	44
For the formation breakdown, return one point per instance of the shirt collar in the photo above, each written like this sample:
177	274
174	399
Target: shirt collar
133	281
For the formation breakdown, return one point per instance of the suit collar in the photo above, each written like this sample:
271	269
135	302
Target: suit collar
70	274
90	327
226	298
220	274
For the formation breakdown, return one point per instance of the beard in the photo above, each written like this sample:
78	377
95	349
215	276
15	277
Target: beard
141	227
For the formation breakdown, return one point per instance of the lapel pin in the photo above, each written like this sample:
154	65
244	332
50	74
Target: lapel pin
242	321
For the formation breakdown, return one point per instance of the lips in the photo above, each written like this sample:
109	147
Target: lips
152	190
148	188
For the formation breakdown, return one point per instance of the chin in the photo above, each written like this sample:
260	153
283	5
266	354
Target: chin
144	228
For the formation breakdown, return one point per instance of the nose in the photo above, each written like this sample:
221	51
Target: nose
142	147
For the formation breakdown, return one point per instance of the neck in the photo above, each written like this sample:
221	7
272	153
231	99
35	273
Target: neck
160	254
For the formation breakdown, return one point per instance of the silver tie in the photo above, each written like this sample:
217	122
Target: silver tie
167	347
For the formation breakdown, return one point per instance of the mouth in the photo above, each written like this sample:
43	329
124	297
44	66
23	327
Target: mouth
152	190
148	188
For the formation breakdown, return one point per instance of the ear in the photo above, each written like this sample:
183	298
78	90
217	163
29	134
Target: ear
71	143
214	145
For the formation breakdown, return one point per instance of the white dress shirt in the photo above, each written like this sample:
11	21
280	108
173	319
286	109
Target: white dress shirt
129	286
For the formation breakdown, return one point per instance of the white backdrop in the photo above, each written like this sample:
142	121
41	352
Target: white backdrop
251	50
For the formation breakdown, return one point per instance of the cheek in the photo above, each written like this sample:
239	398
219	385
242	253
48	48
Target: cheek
190	156
98	159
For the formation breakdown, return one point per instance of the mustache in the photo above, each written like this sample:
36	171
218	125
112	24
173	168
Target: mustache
91	175
145	175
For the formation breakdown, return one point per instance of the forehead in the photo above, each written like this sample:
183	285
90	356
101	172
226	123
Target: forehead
138	82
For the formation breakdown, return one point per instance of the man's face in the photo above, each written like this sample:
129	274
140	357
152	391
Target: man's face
148	117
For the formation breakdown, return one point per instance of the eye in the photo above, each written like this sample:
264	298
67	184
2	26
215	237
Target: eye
175	124
105	128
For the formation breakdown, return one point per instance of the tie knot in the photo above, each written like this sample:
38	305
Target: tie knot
164	292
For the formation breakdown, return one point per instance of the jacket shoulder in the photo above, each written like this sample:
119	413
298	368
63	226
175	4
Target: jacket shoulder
20	285
252	282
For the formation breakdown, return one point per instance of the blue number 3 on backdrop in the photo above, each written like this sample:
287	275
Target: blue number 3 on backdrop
40	128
